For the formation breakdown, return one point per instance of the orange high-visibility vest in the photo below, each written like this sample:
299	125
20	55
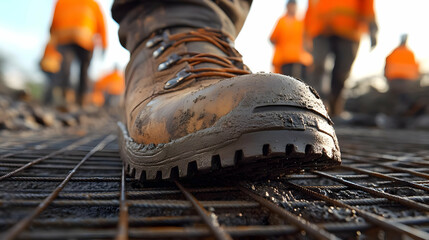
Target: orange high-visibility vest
287	38
78	21
344	18
51	61
112	83
401	64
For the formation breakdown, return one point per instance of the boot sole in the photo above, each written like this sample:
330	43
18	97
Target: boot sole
262	153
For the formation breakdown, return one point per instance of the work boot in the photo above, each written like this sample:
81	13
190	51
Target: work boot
192	107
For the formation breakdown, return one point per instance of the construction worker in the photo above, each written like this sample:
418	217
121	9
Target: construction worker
402	73
78	26
336	28
50	65
112	85
290	58
191	106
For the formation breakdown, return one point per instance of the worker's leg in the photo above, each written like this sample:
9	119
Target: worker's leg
85	57
47	98
321	49
287	69
345	51
400	95
295	70
299	71
68	55
304	71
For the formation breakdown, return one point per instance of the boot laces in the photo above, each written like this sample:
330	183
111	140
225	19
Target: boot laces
230	65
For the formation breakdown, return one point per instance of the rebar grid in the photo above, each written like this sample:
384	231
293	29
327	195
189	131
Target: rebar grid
74	187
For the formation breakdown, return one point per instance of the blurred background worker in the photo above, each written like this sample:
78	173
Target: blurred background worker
402	73
336	28
290	58
108	89
75	25
50	65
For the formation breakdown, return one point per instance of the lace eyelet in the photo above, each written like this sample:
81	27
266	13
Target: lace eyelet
154	41
161	49
170	61
161	37
230	42
180	76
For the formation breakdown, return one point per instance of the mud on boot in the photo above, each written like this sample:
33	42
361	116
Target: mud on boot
194	108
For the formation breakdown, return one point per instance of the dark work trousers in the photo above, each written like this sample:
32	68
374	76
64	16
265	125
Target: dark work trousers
401	95
138	19
344	51
49	89
71	52
295	70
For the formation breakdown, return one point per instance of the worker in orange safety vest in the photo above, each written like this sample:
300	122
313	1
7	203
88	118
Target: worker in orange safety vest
401	64
336	28
402	73
290	58
111	85
78	26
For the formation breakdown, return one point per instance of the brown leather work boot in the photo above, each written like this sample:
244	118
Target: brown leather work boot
193	107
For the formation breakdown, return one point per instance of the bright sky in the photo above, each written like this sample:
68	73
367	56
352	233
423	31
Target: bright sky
24	28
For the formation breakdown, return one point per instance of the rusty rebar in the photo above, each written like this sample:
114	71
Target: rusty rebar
299	222
377	220
208	218
158	210
21	225
385	176
372	191
32	163
123	211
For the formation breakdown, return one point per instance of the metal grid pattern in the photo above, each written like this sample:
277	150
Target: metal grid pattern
65	186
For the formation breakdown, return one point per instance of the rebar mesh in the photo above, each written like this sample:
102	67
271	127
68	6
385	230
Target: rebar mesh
68	186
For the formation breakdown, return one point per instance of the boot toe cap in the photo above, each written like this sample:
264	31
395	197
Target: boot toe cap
236	100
